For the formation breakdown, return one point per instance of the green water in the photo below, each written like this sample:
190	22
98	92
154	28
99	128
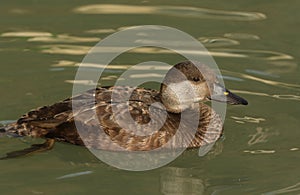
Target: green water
255	44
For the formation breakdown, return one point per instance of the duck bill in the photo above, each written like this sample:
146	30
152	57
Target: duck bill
221	94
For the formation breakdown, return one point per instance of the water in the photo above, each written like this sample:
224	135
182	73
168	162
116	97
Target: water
255	44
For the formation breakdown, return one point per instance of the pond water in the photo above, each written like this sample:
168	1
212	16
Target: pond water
254	43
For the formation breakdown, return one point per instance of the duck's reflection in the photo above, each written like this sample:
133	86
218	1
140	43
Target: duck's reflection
180	180
174	180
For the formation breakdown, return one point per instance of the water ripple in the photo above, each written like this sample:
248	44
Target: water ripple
265	81
75	174
241	36
260	136
180	11
217	41
100	31
260	151
26	34
261	73
277	96
65	63
230	78
248	119
82	82
63	39
258	54
65	49
19	11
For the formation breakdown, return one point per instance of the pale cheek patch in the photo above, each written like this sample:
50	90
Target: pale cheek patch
183	91
187	92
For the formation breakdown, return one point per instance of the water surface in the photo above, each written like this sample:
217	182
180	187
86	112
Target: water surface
255	44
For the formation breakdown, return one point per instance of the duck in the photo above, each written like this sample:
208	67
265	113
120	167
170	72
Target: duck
128	118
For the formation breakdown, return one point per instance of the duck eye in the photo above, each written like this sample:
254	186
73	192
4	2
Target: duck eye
196	79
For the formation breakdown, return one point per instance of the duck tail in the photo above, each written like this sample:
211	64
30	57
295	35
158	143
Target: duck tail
14	129
9	129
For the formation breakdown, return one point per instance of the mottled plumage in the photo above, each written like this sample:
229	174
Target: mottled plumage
96	108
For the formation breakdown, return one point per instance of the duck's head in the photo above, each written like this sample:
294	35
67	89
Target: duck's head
188	83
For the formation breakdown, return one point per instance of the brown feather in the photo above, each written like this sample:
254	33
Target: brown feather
58	121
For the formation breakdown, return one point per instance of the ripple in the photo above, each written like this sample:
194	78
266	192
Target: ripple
100	31
287	97
19	11
103	66
63	39
36	36
65	49
217	41
26	34
260	136
82	82
250	93
64	63
151	50
241	36
259	54
261	73
265	81
260	151
56	69
248	119
230	78
109	78
75	174
75	50
270	82
115	9
145	75
180	11
277	96
125	27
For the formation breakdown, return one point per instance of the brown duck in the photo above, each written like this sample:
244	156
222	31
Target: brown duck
100	119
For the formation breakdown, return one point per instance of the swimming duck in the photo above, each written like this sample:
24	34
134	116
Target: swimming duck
185	87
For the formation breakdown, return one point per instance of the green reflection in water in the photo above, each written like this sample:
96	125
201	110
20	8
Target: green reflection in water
260	152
